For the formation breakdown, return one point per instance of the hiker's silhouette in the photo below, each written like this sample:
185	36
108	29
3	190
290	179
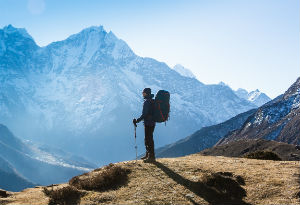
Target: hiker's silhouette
149	124
229	192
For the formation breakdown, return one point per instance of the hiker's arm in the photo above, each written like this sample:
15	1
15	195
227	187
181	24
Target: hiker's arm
146	108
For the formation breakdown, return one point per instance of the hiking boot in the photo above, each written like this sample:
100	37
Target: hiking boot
149	160
146	156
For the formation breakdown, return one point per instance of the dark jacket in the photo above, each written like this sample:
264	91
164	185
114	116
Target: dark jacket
148	109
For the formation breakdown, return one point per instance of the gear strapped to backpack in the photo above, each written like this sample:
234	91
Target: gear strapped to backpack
161	106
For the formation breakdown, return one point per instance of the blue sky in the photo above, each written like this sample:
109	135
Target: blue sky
244	43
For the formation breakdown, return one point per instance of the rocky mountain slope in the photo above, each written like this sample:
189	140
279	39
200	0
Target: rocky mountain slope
204	138
81	94
240	148
277	120
25	165
193	179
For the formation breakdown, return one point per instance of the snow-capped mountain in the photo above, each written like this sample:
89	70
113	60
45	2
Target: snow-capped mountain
183	71
28	165
81	94
276	120
256	97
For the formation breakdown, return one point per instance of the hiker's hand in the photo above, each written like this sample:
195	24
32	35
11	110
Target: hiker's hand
134	122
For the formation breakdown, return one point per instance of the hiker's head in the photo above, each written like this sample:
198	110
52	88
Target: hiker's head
147	92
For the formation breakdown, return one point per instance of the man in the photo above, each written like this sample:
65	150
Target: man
149	124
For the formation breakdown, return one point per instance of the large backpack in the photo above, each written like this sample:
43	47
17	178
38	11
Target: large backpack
161	106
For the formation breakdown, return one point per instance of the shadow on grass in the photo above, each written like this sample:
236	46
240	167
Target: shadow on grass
219	188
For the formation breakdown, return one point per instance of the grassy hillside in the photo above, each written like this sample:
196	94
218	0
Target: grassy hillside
194	179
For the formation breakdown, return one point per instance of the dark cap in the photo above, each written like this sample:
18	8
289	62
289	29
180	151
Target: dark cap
147	91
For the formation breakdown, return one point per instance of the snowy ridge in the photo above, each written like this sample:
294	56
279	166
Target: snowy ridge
183	71
256	97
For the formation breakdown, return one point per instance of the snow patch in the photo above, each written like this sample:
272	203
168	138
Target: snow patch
183	71
259	118
50	159
296	102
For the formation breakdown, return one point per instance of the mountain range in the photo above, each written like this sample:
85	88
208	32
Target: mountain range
277	120
81	94
256	97
204	138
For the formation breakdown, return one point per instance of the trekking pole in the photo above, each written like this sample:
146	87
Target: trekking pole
135	142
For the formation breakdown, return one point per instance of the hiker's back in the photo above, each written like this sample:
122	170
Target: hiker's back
149	105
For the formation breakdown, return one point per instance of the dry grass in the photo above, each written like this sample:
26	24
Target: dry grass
63	196
197	179
106	178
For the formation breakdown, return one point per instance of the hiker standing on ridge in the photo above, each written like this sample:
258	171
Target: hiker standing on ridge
149	124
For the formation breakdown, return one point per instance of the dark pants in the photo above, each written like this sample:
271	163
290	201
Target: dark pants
149	143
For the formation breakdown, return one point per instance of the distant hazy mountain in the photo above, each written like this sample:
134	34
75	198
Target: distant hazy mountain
81	94
256	97
26	165
183	71
277	120
11	180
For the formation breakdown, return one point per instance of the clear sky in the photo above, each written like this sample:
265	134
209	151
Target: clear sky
245	43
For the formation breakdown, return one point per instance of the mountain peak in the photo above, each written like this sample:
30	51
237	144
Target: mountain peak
222	83
95	28
90	41
256	96
9	28
22	31
87	32
293	90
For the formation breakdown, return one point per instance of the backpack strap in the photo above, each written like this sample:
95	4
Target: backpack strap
161	112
